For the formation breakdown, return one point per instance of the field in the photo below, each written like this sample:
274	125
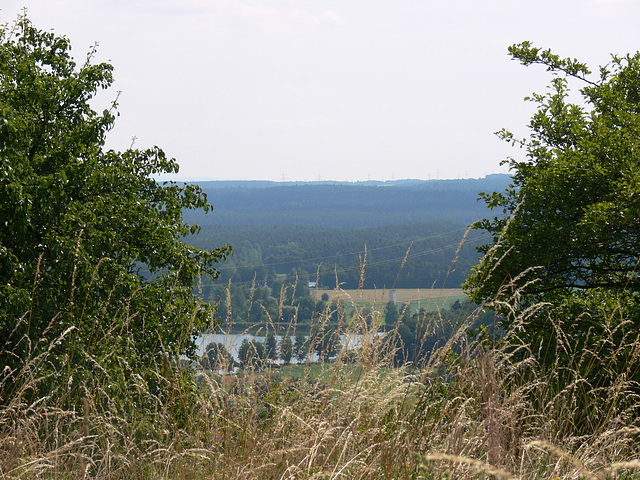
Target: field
428	298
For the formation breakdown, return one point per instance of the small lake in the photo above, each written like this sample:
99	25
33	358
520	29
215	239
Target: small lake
232	342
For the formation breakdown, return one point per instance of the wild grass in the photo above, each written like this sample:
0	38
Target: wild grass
473	409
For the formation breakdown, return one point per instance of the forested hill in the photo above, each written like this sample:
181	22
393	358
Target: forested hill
407	256
300	229
335	204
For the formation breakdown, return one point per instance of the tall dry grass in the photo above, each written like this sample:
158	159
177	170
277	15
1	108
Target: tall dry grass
473	409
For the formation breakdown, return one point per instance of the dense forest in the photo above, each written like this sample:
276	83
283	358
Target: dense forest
406	234
360	204
404	256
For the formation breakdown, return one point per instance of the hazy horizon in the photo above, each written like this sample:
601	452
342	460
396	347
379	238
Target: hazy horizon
337	180
357	90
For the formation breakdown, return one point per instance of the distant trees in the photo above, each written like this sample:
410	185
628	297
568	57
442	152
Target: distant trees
257	251
271	347
254	353
286	349
391	315
217	357
415	337
301	347
325	341
412	338
251	353
256	304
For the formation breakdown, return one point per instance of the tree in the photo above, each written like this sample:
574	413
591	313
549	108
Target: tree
251	353
401	342
567	237
301	347
286	349
325	341
217	357
391	315
92	257
271	347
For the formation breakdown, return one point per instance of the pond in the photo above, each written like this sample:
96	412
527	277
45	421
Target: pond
232	342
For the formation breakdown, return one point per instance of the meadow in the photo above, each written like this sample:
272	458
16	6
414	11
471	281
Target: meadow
430	299
473	409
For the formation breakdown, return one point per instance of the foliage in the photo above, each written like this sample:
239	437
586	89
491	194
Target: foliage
86	234
325	341
217	357
332	204
312	253
473	410
469	412
300	347
415	338
255	305
566	242
271	347
251	353
286	349
391	315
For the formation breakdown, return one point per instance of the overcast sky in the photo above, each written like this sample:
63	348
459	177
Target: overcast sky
329	89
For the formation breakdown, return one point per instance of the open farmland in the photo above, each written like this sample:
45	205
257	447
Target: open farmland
423	296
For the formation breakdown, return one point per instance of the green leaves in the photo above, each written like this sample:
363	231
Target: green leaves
88	240
569	234
528	55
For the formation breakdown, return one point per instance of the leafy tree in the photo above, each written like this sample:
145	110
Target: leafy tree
325	341
251	353
301	347
271	347
91	247
286	349
391	315
401	342
306	307
567	237
288	314
336	312
217	357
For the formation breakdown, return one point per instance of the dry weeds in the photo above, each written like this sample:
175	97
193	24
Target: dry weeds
470	411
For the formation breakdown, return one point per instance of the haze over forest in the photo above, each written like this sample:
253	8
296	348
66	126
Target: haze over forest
311	228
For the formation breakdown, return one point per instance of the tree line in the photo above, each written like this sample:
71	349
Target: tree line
410	337
402	256
332	204
323	341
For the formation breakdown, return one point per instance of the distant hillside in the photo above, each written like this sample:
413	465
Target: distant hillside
407	255
336	204
411	230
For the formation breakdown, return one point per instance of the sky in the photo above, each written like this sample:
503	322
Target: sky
307	90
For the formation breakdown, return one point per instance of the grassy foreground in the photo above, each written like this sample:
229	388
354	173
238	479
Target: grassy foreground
469	411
